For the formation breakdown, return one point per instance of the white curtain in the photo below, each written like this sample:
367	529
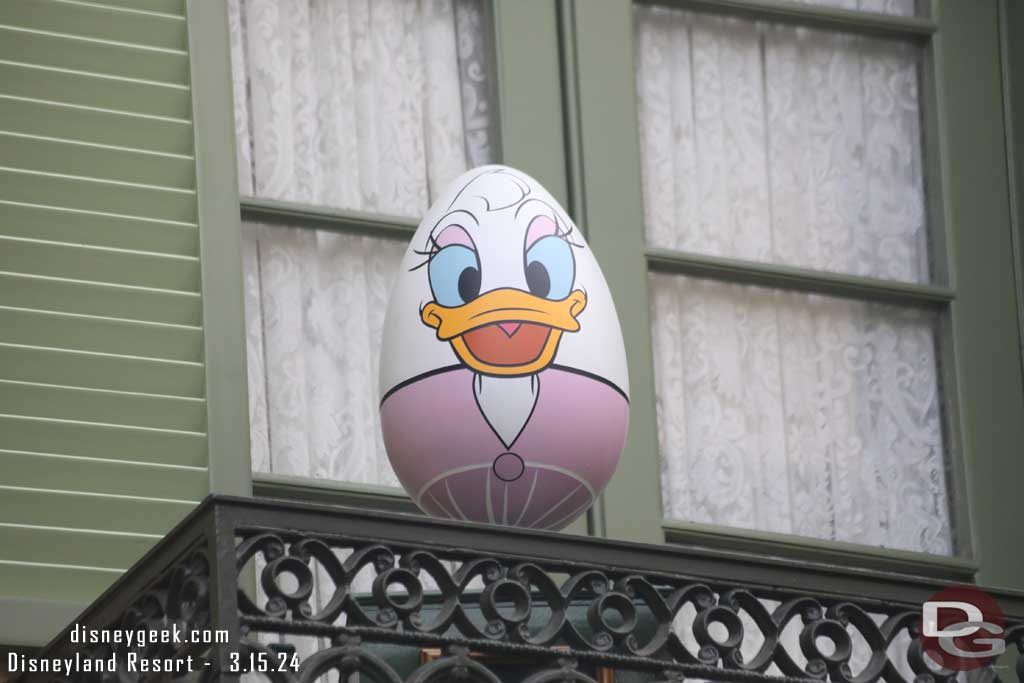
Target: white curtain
781	144
370	105
314	314
799	414
784	412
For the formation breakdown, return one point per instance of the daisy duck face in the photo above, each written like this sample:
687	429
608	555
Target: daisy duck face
503	372
503	305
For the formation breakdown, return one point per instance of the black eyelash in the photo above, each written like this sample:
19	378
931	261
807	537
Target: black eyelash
565	232
566	236
429	253
562	231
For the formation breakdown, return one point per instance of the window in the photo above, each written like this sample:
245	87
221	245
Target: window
348	116
732	247
791	412
340	107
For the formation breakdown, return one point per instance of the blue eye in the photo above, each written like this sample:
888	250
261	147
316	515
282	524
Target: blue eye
550	268
454	276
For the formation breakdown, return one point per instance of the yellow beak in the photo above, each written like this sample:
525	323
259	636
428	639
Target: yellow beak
536	326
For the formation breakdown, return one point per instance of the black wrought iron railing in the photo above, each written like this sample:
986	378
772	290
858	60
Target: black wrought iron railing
299	592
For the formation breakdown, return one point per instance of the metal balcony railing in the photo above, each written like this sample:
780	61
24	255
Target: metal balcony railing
389	598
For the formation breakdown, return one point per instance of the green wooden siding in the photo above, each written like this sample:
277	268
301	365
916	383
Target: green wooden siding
103	418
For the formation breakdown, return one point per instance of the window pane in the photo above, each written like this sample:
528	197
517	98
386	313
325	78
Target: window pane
359	105
314	304
800	414
781	144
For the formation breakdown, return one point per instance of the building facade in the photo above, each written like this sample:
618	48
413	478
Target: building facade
808	215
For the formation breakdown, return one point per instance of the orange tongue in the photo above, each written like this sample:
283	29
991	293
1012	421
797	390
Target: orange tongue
507	344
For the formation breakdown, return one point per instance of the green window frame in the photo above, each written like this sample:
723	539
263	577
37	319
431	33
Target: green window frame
567	114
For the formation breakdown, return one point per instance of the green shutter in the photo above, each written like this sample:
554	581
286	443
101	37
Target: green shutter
103	441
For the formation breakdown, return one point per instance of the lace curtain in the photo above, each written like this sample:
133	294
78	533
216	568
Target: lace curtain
784	412
370	105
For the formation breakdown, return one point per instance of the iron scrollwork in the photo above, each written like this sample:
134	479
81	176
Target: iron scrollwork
457	600
152	637
258	573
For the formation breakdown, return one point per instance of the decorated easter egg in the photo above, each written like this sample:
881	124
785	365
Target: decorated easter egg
504	389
